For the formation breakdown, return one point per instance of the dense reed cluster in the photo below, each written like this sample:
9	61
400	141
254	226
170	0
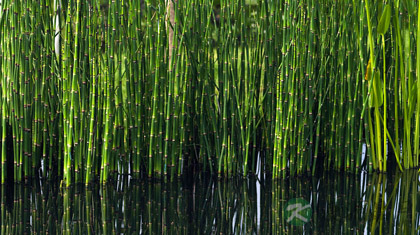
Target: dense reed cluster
153	87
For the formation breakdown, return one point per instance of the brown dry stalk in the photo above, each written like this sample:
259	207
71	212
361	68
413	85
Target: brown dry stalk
171	16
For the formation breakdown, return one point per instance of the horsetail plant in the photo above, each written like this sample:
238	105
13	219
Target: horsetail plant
91	89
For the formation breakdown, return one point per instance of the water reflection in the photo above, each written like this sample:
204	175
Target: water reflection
340	204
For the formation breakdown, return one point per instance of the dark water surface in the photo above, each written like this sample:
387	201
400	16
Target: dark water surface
337	204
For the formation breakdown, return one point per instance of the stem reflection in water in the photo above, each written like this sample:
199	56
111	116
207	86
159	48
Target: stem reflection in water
339	204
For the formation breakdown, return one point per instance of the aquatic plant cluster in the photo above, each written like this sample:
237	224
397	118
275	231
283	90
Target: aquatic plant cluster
155	88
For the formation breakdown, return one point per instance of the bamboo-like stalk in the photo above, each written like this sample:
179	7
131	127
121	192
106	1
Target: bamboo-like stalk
156	88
